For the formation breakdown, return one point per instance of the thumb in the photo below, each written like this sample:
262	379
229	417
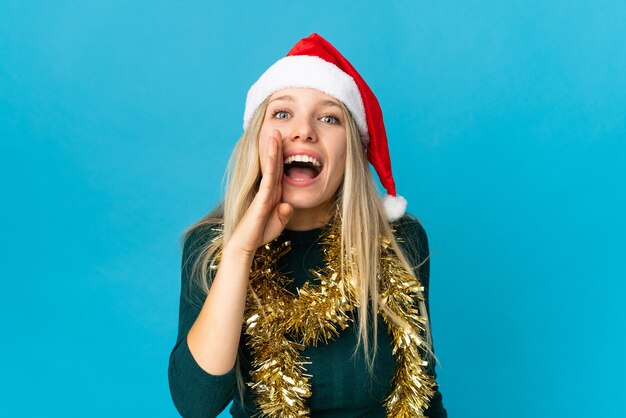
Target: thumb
284	212
277	221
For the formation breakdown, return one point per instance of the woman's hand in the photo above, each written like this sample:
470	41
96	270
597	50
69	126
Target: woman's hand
266	217
214	337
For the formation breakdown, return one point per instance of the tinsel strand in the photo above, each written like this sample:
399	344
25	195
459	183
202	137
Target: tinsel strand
412	385
280	325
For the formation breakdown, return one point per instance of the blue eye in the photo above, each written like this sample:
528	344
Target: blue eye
279	112
333	119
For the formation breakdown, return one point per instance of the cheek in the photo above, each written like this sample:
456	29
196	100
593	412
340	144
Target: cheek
338	171
335	181
341	161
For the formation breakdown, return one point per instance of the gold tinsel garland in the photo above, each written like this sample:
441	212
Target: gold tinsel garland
280	325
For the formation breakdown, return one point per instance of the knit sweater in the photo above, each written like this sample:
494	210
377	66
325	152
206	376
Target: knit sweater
341	384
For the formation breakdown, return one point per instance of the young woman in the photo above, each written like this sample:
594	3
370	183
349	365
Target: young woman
303	293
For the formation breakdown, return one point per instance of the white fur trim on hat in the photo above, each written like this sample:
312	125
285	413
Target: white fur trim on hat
395	207
307	71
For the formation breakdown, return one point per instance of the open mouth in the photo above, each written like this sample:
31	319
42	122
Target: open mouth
302	167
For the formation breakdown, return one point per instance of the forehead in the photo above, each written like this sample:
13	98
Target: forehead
304	95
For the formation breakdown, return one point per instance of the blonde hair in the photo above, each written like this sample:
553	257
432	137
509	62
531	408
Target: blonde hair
363	222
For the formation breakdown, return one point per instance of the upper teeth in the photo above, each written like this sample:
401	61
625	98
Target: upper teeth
302	159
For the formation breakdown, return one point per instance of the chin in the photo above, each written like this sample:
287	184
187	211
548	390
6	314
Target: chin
300	201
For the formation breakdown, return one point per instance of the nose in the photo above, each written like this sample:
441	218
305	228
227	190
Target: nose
303	130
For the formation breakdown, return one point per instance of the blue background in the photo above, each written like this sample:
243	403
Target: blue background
508	138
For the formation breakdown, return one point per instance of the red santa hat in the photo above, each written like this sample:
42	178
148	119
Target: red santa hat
314	63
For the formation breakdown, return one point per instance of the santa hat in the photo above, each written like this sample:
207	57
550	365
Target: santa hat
314	63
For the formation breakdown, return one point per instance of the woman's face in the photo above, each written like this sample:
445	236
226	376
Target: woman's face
313	131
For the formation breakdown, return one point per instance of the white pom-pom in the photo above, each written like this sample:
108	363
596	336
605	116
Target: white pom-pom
395	207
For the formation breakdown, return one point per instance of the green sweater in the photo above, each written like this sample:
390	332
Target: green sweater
341	385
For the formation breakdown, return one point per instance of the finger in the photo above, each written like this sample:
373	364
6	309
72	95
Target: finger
284	212
267	177
278	221
279	157
272	157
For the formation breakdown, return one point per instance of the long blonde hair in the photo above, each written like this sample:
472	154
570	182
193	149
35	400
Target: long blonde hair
363	222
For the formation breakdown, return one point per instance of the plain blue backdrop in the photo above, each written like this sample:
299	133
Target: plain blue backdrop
508	138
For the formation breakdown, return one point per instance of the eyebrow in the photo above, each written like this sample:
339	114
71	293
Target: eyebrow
291	99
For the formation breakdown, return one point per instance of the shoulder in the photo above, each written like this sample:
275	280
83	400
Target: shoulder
411	236
197	236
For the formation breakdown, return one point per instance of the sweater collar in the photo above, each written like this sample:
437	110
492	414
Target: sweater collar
302	238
